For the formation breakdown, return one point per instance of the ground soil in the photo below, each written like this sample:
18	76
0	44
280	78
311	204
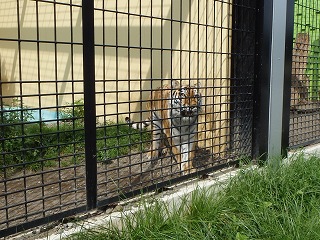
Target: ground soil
27	195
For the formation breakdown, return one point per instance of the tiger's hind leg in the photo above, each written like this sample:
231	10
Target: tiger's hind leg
156	149
188	154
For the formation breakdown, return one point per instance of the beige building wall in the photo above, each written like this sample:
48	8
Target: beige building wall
179	51
46	62
198	52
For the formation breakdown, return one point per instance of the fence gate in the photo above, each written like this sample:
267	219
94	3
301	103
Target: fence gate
73	71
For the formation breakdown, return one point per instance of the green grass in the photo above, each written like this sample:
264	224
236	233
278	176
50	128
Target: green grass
267	203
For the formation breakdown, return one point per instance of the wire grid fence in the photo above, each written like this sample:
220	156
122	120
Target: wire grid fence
305	90
42	136
157	43
139	46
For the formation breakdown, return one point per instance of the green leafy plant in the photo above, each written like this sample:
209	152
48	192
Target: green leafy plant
73	112
25	144
14	145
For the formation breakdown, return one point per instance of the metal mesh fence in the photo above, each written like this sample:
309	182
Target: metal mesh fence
139	46
42	140
305	117
147	45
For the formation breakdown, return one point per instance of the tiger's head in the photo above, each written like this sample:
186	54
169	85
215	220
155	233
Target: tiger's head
186	101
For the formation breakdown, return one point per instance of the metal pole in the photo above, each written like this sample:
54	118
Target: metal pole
89	102
277	78
280	81
287	77
273	78
264	19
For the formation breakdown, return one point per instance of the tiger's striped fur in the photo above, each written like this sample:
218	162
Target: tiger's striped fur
173	118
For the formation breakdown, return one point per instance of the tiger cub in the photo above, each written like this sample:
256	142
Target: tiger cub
173	118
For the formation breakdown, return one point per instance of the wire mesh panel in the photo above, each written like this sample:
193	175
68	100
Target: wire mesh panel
173	93
305	89
41	92
149	52
242	76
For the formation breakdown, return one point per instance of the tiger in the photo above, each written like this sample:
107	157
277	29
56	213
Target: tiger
173	118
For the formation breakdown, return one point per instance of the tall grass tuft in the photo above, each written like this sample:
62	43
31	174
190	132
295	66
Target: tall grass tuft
265	203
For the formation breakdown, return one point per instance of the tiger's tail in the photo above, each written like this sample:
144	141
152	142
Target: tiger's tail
138	125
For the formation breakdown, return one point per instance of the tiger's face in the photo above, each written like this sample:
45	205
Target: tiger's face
186	102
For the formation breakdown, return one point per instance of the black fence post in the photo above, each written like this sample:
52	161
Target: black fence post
287	77
262	77
89	102
272	83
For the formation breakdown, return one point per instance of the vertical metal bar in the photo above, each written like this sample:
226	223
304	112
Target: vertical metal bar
118	82
277	78
270	78
287	76
89	102
73	89
60	141
129	88
140	72
161	64
20	91
262	78
39	99
204	81
180	42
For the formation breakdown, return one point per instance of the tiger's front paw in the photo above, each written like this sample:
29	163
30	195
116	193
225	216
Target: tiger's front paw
163	152
152	158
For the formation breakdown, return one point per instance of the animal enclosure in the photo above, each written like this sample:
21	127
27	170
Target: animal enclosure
54	163
73	71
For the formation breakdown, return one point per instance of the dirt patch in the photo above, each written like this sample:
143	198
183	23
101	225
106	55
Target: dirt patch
28	196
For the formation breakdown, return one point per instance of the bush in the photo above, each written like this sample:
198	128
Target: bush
15	146
73	112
